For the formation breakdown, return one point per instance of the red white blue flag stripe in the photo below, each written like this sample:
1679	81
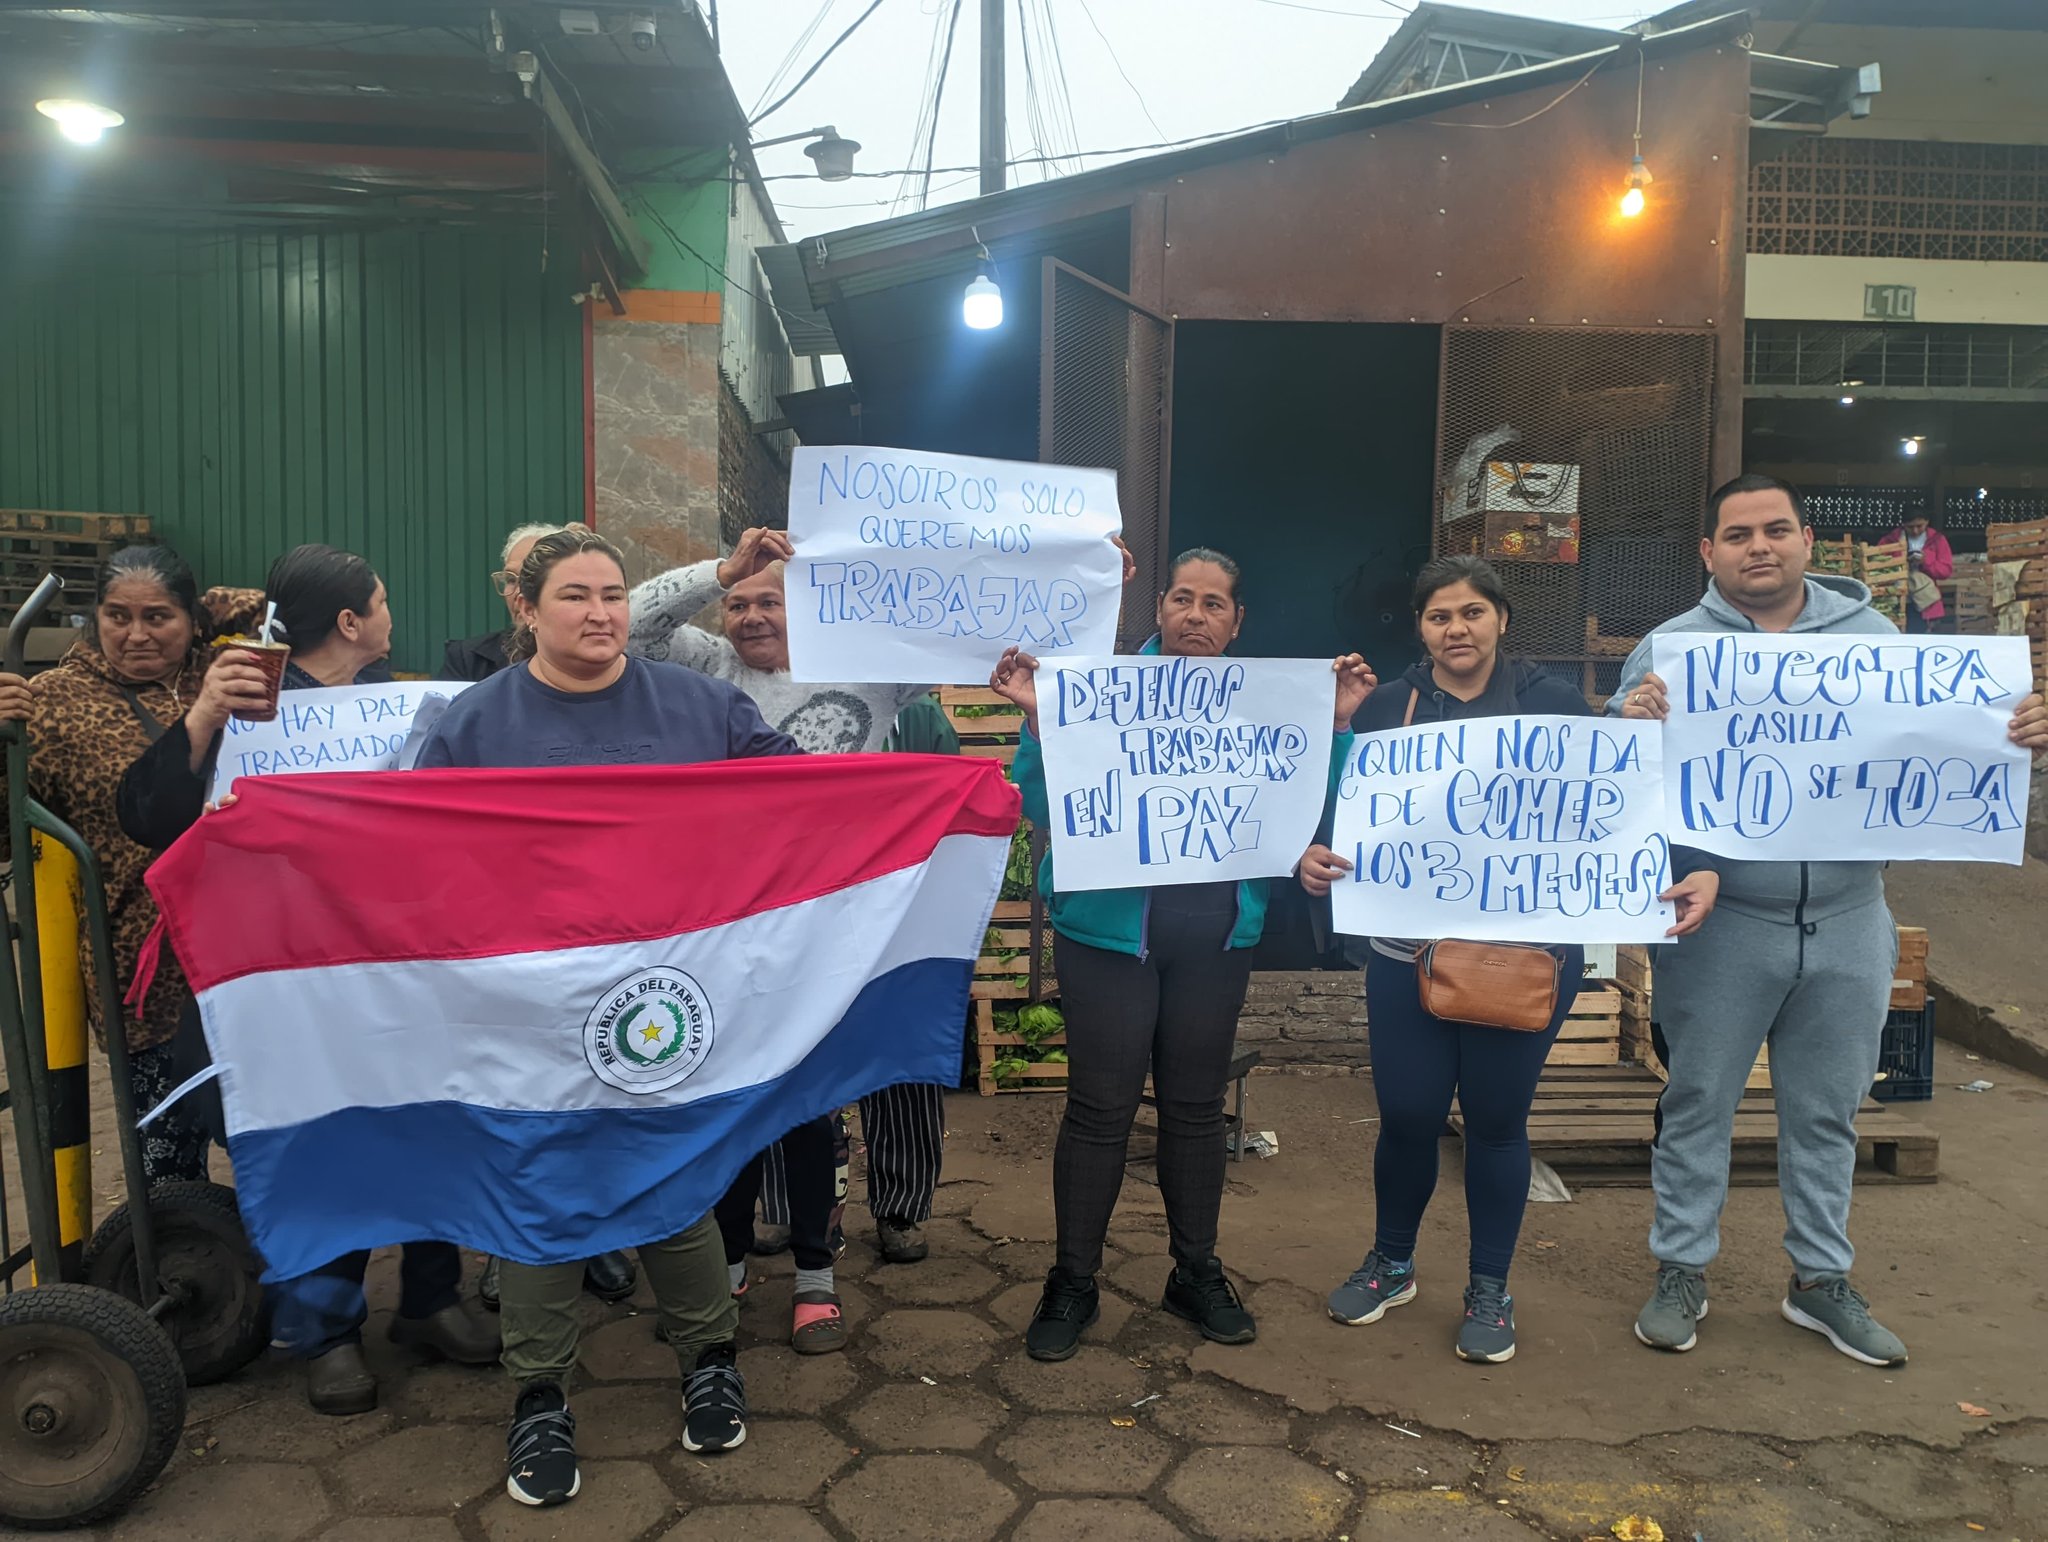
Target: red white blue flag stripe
548	1013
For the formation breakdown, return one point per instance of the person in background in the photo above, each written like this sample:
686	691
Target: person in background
1420	1062
337	603
1151	981
1929	563
131	676
1799	954
581	699
478	658
609	1276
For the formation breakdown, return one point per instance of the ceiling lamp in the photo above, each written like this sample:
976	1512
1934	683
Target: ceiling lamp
1638	173
80	122
982	306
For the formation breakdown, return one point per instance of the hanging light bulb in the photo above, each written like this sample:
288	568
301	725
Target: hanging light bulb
1638	178
1638	174
982	306
1910	446
80	122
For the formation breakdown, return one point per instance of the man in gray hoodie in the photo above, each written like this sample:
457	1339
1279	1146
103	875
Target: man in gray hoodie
1797	953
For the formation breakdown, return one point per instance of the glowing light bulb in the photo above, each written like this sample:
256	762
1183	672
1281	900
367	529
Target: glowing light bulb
1638	178
1910	446
982	306
82	123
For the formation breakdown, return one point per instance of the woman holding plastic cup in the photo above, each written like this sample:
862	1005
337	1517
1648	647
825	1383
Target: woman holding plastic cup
333	605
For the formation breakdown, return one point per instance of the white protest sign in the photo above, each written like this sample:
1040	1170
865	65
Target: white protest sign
1791	747
917	566
1504	829
333	728
1183	770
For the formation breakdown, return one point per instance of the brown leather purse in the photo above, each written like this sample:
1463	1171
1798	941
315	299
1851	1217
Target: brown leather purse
1493	984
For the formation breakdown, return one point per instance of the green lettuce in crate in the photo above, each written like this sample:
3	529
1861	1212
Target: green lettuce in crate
1039	1022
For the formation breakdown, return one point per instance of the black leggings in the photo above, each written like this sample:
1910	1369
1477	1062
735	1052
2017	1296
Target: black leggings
1172	1013
807	1154
1418	1063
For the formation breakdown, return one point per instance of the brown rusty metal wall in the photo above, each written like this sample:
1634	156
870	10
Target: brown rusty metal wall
1106	378
1634	411
1467	216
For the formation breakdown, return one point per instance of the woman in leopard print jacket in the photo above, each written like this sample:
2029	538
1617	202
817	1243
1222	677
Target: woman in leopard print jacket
115	691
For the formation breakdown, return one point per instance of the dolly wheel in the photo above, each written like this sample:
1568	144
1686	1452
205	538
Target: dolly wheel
92	1401
204	1262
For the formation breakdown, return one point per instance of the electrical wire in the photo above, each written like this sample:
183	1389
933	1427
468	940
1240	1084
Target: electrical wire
1037	160
1324	10
796	48
1539	112
1060	101
931	143
804	78
1088	11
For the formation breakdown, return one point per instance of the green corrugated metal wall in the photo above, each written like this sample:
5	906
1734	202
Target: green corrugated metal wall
410	395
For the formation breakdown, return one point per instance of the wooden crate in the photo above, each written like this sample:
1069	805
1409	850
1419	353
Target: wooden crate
1592	1031
991	735
1909	977
34	542
997	978
989	1046
1883	566
2033	581
2016	542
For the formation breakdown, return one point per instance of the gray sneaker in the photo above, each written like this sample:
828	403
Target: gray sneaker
1488	1331
1669	1319
1374	1286
1834	1307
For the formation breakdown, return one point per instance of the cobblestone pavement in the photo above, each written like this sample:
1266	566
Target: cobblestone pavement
935	1425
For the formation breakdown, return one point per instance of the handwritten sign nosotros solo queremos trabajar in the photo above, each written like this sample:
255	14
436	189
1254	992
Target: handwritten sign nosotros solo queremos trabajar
1183	770
336	728
918	566
1799	748
1504	829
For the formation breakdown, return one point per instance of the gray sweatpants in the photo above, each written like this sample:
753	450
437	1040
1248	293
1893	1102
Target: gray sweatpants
1719	994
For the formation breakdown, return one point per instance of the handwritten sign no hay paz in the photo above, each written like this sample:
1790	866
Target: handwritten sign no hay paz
924	567
1801	748
335	728
1510	829
1183	770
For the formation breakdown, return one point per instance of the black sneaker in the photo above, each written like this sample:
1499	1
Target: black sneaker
1064	1312
1201	1294
715	1402
540	1448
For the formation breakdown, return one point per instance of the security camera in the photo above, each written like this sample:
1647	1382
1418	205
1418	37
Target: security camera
640	27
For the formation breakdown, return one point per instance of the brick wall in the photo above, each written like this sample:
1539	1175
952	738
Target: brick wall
1306	1017
753	479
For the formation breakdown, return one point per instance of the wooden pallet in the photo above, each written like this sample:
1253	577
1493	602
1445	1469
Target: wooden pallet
1009	979
75	526
989	1045
1909	977
1595	1127
1591	1035
992	736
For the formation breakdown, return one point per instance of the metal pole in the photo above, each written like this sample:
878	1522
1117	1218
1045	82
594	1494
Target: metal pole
993	151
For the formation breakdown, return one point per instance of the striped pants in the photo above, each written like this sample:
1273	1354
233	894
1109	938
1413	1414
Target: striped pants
904	1127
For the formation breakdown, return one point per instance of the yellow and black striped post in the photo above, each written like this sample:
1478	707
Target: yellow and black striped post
64	1031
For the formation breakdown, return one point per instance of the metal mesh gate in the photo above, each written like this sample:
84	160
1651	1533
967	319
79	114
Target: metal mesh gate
1105	375
1533	421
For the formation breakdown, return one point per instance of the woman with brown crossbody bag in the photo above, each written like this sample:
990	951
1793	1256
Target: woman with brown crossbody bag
1449	1018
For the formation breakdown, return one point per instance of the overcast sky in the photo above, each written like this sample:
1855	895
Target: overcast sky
1194	67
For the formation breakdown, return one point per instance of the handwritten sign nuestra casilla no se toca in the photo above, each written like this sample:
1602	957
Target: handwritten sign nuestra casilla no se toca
1183	770
912	565
1504	829
1789	747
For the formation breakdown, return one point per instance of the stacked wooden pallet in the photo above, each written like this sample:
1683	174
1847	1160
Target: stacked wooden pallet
34	542
1592	1031
1636	974
2025	544
1595	1125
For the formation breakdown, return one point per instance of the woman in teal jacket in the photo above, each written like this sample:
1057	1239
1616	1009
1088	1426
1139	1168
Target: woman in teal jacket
1151	981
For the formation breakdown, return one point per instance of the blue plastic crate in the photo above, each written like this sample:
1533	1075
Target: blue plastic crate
1905	1060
